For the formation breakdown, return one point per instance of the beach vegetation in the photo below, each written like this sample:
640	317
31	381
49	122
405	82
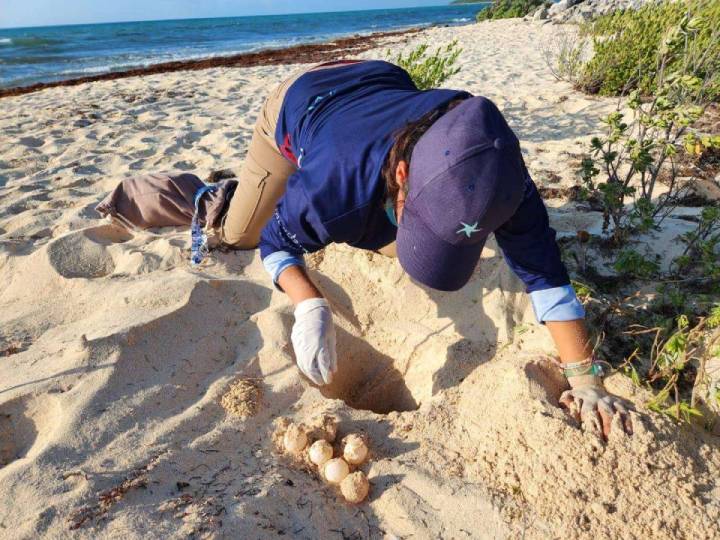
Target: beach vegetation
429	69
666	339
702	245
664	348
508	9
664	62
631	173
565	54
631	263
676	366
637	151
583	290
632	48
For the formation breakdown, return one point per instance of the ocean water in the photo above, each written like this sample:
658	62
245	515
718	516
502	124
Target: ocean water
44	54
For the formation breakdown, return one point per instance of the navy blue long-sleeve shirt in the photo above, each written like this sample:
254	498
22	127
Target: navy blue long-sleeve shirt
337	126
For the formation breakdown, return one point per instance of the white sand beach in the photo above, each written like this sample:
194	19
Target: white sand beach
115	353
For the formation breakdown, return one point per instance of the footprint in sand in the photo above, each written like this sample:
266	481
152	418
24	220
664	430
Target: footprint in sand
87	169
185	166
144	153
32	142
83	254
26	425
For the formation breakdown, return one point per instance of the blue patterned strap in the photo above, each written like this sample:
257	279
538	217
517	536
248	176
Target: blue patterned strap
198	239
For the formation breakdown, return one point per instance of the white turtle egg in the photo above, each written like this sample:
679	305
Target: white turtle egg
295	439
355	487
320	451
335	470
355	451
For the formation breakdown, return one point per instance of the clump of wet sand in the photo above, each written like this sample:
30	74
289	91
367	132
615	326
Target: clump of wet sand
242	398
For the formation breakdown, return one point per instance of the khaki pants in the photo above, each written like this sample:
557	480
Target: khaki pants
236	209
263	176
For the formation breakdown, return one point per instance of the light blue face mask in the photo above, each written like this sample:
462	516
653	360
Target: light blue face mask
390	211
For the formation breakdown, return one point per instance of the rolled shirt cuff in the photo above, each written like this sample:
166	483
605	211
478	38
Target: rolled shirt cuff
557	304
278	261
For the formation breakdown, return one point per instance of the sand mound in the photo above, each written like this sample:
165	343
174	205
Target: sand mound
659	483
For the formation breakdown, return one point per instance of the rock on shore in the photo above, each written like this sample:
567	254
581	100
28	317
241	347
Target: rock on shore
578	11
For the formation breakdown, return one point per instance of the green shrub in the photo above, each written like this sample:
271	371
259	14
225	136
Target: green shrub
429	71
632	263
664	347
702	247
678	357
627	45
643	136
507	9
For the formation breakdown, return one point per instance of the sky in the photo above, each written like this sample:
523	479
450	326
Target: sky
14	13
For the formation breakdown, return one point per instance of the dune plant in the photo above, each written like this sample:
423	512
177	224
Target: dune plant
677	361
619	52
429	70
626	45
507	9
631	263
702	248
565	53
670	346
582	290
667	343
626	162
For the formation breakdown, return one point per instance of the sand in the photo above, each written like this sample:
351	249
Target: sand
115	355
242	398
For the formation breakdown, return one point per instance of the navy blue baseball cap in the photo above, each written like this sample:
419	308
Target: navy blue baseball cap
466	179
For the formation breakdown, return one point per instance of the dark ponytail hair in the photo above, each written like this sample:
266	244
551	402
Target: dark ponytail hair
405	140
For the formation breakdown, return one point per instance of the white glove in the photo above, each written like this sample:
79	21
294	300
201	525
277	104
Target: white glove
313	338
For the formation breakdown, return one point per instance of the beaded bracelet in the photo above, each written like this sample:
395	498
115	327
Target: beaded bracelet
588	366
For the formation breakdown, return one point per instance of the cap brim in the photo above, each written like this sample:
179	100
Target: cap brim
431	261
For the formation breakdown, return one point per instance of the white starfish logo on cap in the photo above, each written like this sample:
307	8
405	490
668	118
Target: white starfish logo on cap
468	229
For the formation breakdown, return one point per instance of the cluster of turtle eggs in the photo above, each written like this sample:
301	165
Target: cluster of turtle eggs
354	486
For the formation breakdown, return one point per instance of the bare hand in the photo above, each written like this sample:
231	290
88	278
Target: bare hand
594	407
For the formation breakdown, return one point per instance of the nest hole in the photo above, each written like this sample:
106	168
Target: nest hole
369	380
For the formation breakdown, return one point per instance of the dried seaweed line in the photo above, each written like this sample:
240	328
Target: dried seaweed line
137	479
